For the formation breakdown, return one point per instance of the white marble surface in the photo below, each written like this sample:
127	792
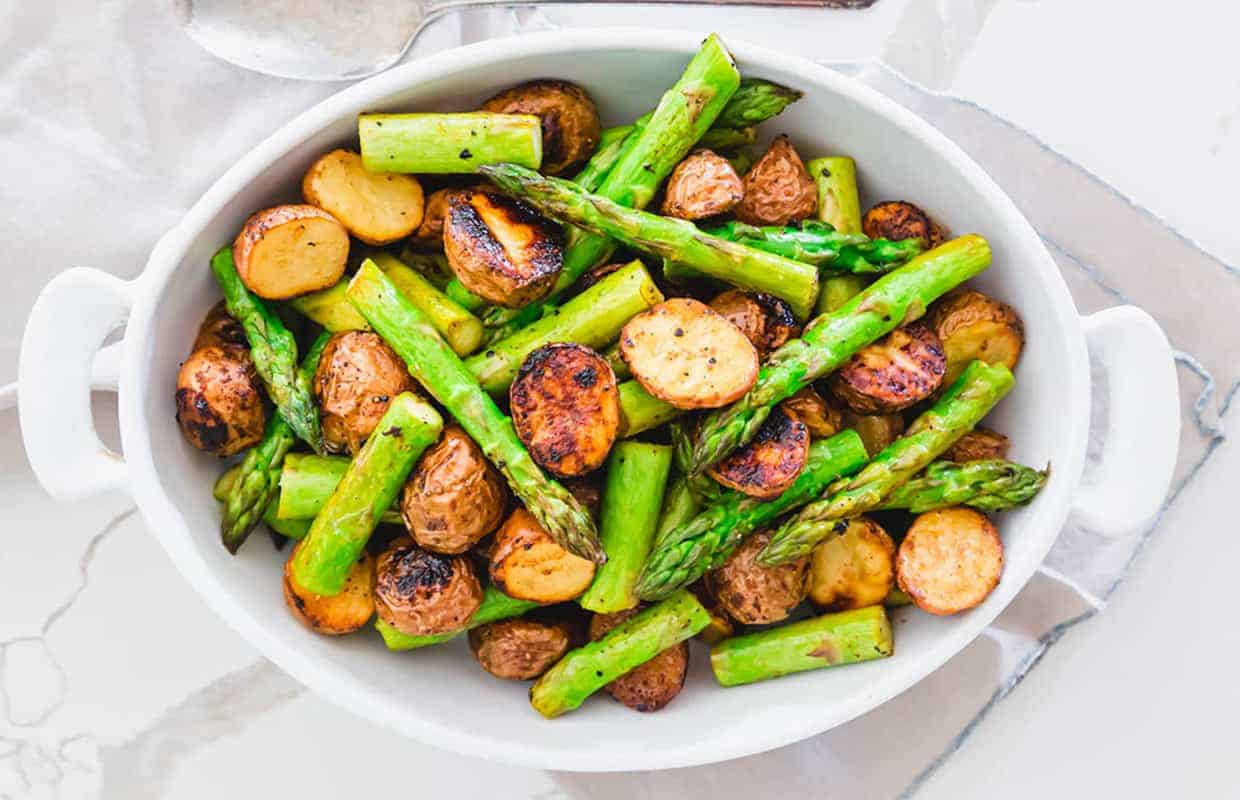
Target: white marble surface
116	681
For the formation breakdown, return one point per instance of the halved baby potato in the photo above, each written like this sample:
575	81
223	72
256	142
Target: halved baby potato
975	326
219	329
291	250
979	444
219	400
652	685
527	564
569	119
702	185
766	320
771	461
897	220
357	376
566	408
454	496
854	569
721	626
876	430
821	418
337	614
778	188
500	248
903	368
686	354
753	594
423	593
377	207
519	649
950	560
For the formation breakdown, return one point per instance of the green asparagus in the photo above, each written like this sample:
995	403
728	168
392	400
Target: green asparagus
837	290
495	606
610	147
840	207
448	143
727	138
987	485
290	528
641	411
680	505
307	481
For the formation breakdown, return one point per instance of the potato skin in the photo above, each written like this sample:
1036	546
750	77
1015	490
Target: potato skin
219	329
897	219
500	248
853	570
652	685
950	560
219	400
429	235
570	121
376	207
876	430
756	595
277	257
702	185
766	320
778	188
903	368
423	593
333	615
454	496
518	649
771	461
821	418
975	326
358	374
527	564
977	445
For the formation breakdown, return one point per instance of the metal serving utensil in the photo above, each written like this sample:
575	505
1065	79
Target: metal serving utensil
328	40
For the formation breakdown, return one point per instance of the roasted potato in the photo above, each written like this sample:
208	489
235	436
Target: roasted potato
219	329
598	273
566	408
821	418
899	220
950	560
336	614
587	492
686	354
429	235
527	564
977	445
854	569
655	683
975	326
220	400
756	595
377	207
422	593
903	368
703	185
570	123
358	374
454	496
778	189
500	248
720	626
766	320
287	251
876	430
519	649
771	461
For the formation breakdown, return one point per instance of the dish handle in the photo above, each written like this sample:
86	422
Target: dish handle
62	360
1127	486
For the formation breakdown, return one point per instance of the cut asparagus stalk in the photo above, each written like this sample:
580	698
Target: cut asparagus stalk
289	528
448	143
641	411
840	207
495	606
610	147
837	290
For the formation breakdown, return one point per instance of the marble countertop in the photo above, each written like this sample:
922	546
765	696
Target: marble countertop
96	702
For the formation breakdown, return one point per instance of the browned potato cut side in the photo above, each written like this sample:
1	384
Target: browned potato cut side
702	185
876	430
423	593
287	251
686	354
950	560
975	326
766	321
429	235
518	649
377	207
454	496
566	408
527	564
570	122
778	188
219	329
900	220
357	376
220	400
500	248
821	418
978	444
333	615
768	464
756	595
903	368
652	685
853	570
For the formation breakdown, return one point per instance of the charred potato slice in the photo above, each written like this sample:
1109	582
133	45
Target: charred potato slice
423	593
570	122
454	496
287	251
566	408
975	326
429	235
876	430
527	564
357	376
978	444
766	320
220	400
703	185
500	248
778	189
756	595
950	560
821	418
768	464
519	649
655	683
684	353
219	329
903	368
377	207
900	220
333	615
853	570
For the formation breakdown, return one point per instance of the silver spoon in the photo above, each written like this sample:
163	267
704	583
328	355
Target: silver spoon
329	40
